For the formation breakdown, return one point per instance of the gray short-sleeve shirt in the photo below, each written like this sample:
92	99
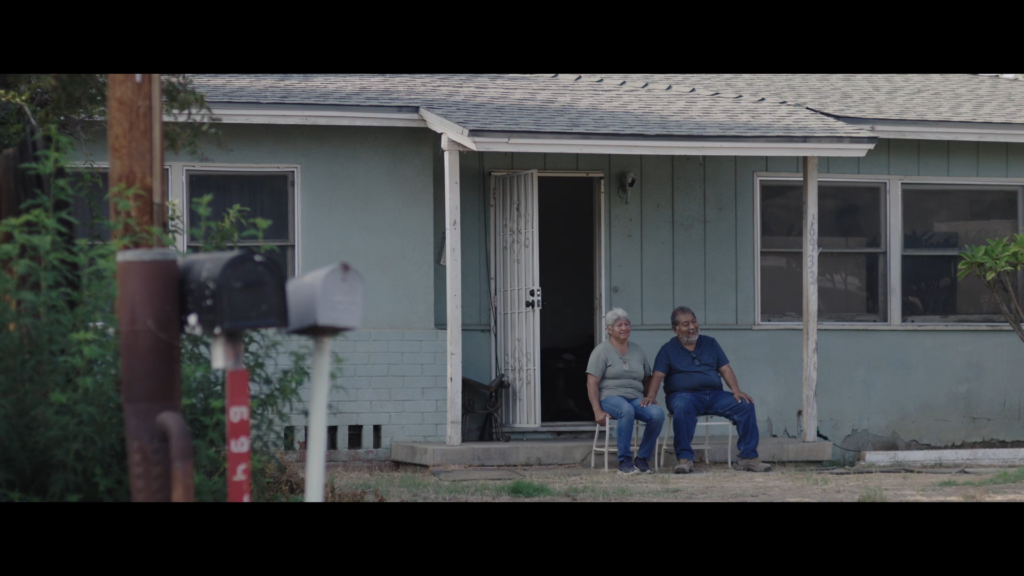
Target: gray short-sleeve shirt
620	375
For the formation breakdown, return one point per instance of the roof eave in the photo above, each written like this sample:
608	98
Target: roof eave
935	130
550	143
312	115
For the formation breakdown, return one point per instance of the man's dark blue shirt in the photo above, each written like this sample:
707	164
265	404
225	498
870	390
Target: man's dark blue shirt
687	371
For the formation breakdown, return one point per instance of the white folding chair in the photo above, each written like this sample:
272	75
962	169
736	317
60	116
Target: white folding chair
668	446
607	449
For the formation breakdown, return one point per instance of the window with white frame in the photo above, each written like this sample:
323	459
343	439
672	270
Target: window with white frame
852	285
939	221
268	194
934	219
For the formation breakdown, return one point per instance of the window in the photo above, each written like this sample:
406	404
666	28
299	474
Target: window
872	269
852	285
91	209
268	194
939	221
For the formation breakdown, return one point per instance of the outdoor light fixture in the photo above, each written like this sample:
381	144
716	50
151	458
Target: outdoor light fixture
628	181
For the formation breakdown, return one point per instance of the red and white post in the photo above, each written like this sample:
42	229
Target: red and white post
226	354
239	439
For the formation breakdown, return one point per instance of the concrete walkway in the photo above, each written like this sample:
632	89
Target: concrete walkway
577	452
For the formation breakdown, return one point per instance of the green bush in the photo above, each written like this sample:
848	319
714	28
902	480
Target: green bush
61	425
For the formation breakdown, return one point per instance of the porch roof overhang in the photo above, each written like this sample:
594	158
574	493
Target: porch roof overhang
636	145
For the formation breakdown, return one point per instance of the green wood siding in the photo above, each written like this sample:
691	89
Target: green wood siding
687	235
903	157
963	159
720	239
688	227
746	259
876	161
934	159
1015	160
992	159
625	249
656	235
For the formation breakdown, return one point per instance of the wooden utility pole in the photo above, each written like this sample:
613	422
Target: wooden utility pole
810	282
135	141
157	438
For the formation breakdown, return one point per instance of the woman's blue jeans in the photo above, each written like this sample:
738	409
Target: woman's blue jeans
626	412
687	406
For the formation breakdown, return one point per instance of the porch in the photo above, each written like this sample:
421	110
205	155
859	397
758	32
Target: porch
514	276
577	452
512	321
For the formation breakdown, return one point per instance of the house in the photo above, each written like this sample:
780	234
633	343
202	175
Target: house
404	177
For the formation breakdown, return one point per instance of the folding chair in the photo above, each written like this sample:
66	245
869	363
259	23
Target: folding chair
667	445
607	449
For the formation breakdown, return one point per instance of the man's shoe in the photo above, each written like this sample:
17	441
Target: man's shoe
642	466
626	467
752	465
683	467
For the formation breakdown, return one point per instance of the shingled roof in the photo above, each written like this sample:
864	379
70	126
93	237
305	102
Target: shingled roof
542	104
898	97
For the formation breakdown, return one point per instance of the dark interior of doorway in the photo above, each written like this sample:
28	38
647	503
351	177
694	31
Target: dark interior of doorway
565	220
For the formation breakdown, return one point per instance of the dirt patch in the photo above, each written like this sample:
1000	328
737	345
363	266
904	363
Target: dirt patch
786	483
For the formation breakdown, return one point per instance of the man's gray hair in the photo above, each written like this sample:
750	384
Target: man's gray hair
679	311
614	315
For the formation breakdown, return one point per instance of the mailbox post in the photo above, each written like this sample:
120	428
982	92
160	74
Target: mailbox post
223	294
321	304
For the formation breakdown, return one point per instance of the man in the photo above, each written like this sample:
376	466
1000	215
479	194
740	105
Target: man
692	367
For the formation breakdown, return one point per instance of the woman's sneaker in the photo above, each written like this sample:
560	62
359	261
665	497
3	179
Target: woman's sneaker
642	466
626	467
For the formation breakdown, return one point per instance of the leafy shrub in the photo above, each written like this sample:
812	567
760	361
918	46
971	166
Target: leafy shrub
61	424
996	265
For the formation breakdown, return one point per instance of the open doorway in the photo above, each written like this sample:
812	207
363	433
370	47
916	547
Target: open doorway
566	241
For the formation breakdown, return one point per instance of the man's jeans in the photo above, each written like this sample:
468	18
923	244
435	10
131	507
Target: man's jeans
685	407
625	413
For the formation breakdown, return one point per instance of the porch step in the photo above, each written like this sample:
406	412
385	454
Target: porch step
552	431
515	453
577	452
554	427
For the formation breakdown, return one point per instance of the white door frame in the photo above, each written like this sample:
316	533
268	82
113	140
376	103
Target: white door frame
600	251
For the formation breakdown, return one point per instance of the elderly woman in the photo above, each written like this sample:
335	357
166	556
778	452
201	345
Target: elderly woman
618	375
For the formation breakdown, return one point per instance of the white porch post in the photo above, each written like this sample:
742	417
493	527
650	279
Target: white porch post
453	273
810	284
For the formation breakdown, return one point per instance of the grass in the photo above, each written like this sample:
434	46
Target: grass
872	495
527	489
1004	477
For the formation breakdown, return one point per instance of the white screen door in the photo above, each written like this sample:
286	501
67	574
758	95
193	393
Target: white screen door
516	292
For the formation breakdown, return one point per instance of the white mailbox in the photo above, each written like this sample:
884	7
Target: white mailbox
325	301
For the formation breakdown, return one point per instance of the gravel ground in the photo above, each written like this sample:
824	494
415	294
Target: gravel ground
786	483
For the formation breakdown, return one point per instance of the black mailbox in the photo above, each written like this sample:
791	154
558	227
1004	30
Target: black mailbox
231	291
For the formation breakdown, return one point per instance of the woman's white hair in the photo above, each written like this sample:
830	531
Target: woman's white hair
614	315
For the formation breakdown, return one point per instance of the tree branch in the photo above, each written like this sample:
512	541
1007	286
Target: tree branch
1016	326
1013	297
